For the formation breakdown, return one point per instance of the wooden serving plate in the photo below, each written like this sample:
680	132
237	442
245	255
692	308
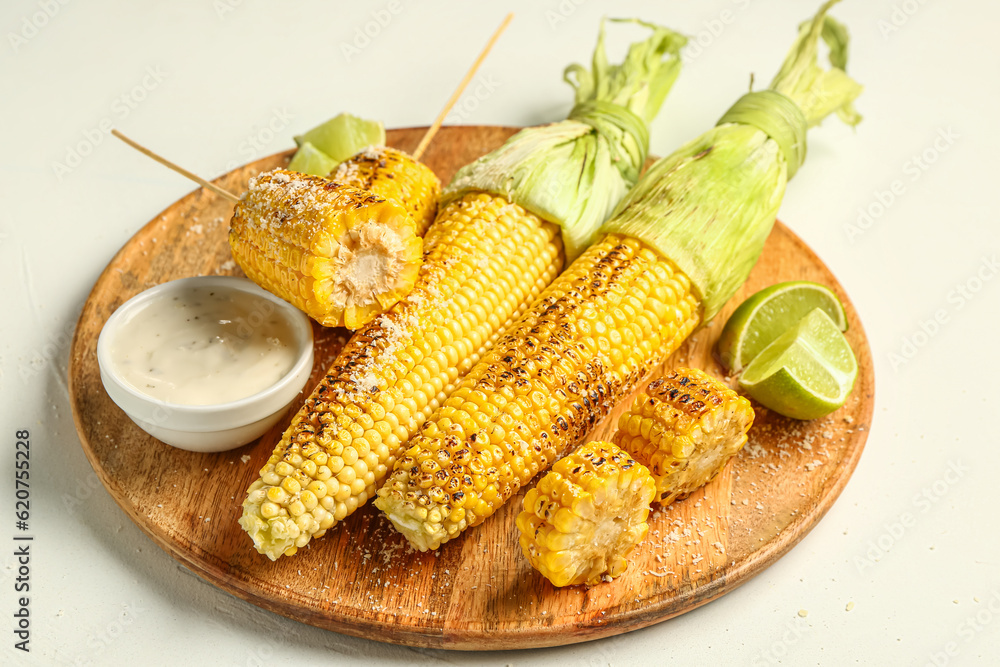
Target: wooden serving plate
478	591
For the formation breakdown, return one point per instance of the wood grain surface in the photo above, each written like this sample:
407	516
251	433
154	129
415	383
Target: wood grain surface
477	591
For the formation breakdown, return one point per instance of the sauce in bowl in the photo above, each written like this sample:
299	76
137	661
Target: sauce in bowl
203	345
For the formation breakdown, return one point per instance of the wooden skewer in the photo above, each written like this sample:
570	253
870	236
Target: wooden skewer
433	129
179	169
421	147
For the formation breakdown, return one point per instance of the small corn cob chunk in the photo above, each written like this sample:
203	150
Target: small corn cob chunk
585	515
486	260
617	312
684	428
392	174
340	254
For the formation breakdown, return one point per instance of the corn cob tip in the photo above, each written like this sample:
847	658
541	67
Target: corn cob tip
684	428
301	493
586	515
420	520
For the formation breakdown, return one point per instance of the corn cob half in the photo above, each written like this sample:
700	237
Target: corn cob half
600	328
486	260
393	174
340	254
585	515
684	428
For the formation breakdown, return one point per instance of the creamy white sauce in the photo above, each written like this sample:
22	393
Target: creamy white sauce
204	346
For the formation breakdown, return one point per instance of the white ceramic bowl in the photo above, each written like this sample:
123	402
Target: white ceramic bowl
206	428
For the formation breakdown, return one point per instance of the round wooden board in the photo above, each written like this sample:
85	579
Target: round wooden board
478	591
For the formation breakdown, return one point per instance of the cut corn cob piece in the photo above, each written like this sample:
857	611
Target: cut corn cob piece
592	336
486	260
585	515
392	174
340	254
684	428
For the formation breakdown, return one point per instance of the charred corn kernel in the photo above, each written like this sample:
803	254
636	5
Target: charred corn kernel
392	174
585	515
340	254
684	428
486	260
556	371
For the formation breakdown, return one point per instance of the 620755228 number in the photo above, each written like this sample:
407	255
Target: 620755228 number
22	492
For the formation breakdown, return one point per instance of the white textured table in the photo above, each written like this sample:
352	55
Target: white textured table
904	567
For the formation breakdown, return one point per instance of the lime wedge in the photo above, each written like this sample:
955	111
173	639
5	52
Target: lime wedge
311	160
769	313
807	372
344	135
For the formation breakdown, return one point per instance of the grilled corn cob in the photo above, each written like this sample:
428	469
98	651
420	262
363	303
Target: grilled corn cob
617	311
585	515
340	254
684	428
487	258
392	174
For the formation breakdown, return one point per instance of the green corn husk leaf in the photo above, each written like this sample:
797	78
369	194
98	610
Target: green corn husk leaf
575	172
710	206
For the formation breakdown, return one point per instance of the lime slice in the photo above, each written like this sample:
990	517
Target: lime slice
769	313
311	160
807	372
344	135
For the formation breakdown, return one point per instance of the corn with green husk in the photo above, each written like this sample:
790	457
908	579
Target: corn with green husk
508	224
677	248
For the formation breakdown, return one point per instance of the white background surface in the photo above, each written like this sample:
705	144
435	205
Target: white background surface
103	593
